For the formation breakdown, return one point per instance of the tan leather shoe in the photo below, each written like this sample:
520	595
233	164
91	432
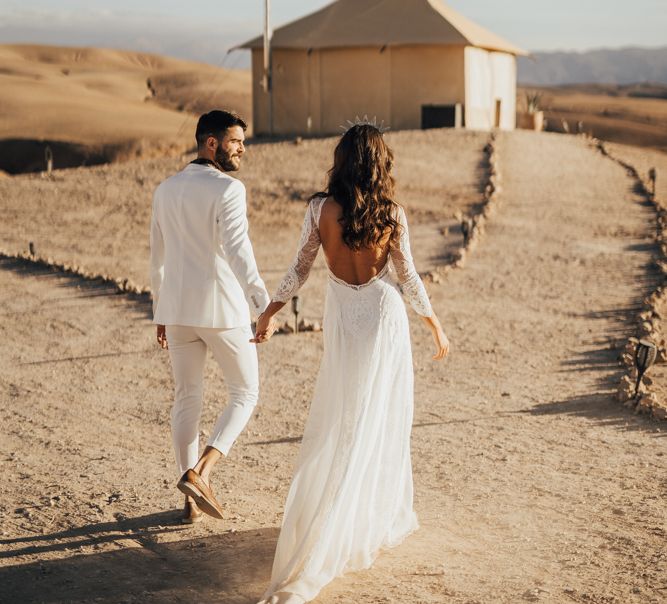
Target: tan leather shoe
191	513
193	485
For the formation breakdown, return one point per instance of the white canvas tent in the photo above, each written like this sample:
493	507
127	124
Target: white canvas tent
407	62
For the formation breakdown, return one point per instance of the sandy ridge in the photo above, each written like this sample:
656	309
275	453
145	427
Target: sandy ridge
92	105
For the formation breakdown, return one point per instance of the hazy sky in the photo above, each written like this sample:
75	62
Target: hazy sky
204	29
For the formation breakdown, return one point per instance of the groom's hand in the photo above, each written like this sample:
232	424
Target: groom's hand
162	337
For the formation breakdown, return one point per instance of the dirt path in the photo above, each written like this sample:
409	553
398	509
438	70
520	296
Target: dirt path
532	483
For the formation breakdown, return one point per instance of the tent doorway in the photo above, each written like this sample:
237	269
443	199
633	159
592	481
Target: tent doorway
496	119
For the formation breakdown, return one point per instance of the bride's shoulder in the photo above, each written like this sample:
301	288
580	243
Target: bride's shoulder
317	199
316	203
398	212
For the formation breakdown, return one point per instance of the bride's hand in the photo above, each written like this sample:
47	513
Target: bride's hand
441	343
439	337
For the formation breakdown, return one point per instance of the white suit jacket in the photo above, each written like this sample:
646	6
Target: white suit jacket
203	270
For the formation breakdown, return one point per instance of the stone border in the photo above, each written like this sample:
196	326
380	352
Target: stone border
120	286
475	225
648	319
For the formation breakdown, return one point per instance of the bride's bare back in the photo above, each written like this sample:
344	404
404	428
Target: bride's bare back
361	174
353	267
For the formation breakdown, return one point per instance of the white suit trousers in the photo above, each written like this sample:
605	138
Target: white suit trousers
237	359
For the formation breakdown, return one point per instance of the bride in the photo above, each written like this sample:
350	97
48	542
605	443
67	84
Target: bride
351	494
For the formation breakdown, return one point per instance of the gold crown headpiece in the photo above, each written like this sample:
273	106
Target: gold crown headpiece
365	121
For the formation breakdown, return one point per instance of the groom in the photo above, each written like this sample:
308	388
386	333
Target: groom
205	286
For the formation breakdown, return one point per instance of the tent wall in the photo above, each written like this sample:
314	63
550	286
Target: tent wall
296	93
503	68
424	75
490	89
354	81
315	92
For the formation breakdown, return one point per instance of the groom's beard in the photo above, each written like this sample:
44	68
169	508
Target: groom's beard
227	161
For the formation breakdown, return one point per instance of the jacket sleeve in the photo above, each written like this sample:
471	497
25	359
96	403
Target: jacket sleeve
156	257
233	236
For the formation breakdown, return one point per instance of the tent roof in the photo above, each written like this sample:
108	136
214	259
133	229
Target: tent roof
354	23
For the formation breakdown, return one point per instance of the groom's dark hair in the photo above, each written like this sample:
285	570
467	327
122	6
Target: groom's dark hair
215	123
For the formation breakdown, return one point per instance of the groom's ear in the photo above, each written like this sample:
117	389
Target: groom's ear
211	143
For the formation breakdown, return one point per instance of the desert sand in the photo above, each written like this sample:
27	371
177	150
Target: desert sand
532	482
92	105
606	112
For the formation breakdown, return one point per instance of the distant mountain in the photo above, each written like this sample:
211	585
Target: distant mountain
618	66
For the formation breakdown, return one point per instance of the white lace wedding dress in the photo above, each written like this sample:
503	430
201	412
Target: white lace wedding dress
351	494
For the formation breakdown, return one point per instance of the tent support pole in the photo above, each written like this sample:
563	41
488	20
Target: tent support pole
268	76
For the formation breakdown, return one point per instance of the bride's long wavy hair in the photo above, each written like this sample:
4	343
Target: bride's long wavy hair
361	183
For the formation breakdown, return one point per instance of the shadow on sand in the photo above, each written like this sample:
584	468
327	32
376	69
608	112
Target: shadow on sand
231	568
604	409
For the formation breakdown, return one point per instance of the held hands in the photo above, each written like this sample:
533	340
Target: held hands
266	324
265	328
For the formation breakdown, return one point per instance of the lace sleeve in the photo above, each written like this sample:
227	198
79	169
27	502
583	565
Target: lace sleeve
309	245
411	283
